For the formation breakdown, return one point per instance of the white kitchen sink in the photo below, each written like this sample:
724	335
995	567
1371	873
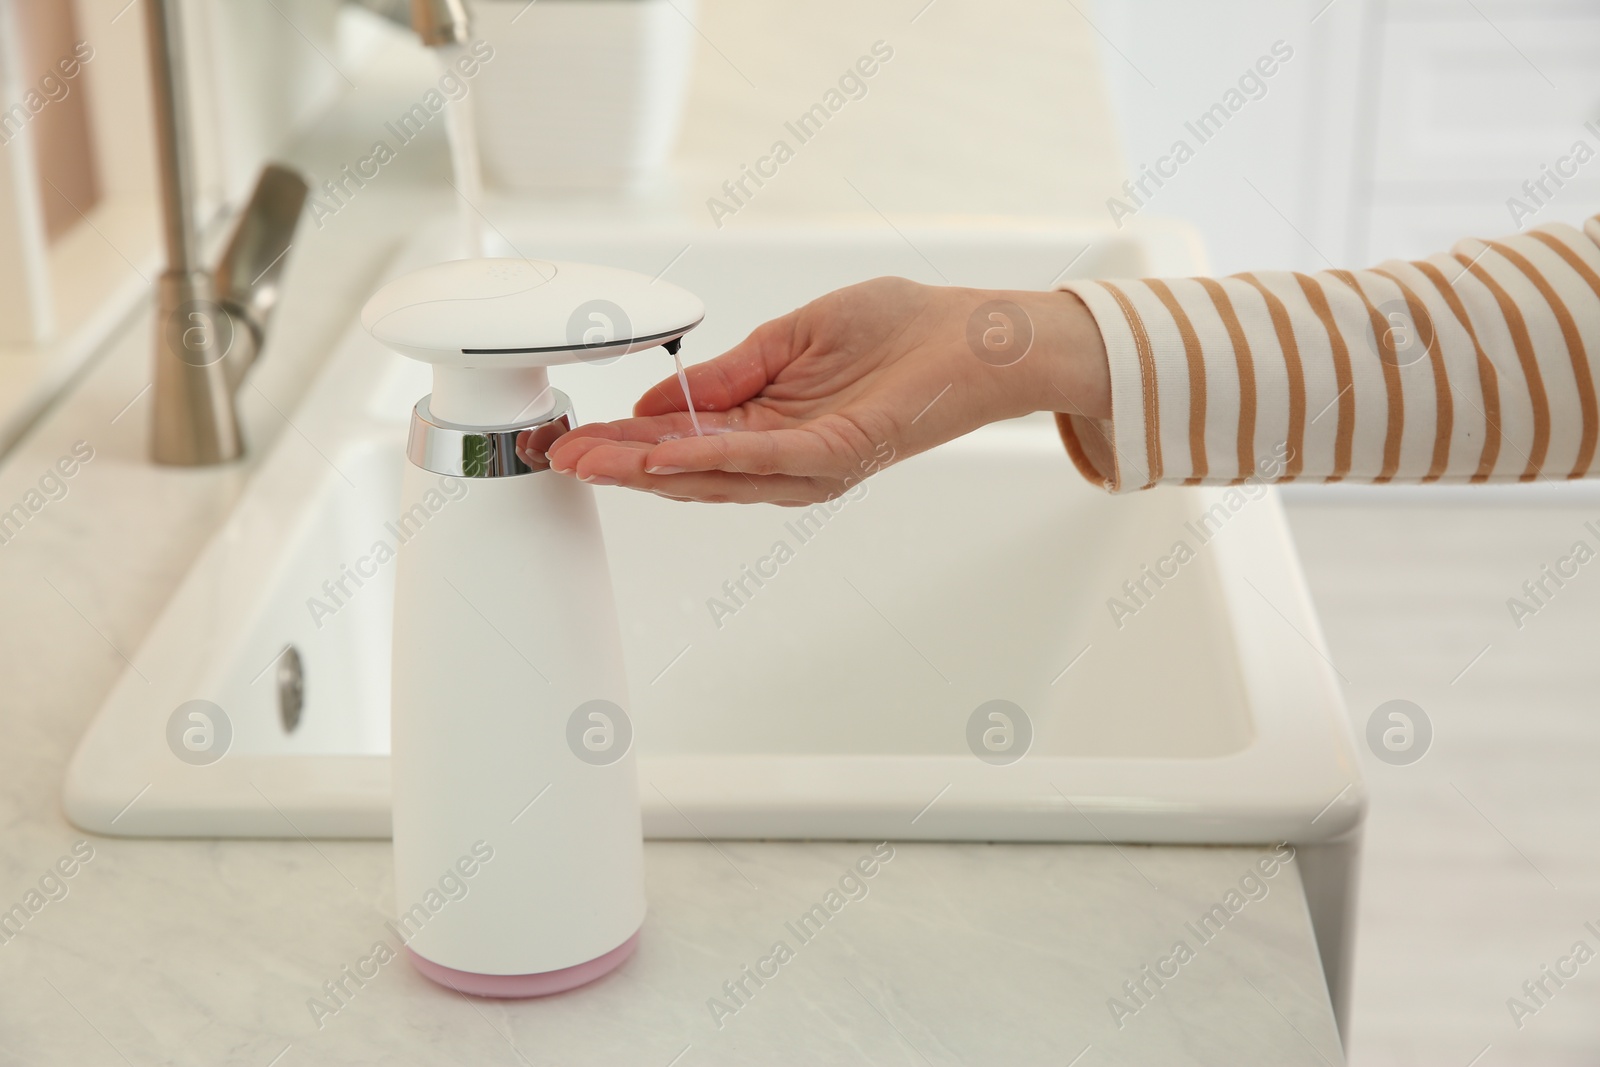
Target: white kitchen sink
836	700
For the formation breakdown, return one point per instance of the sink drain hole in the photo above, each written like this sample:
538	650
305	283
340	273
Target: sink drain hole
291	688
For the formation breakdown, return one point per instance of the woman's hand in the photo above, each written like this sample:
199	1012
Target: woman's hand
811	403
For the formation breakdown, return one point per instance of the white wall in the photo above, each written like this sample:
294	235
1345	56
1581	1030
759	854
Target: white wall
1398	127
1170	60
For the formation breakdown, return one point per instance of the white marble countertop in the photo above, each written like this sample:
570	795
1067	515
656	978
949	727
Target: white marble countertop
197	952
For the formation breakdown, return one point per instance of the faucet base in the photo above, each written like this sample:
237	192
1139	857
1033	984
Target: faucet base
524	985
193	422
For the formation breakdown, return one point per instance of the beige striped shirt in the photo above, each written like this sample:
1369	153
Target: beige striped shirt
1474	366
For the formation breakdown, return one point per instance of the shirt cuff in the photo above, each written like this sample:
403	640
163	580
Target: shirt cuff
1133	400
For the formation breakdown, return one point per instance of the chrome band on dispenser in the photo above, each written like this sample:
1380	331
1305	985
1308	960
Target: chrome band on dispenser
489	451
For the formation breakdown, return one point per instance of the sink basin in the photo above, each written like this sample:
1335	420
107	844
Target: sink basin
844	692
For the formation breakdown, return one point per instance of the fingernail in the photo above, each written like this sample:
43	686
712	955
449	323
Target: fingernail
600	479
663	470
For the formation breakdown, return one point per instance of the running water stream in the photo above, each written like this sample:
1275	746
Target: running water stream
462	132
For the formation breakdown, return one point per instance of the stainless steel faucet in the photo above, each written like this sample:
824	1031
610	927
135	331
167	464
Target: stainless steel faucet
209	327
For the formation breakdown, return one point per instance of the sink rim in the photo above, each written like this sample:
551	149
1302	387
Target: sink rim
1274	789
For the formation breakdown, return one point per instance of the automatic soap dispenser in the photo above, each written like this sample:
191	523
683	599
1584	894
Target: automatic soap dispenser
517	843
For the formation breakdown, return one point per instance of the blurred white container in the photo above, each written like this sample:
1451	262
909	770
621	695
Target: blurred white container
580	93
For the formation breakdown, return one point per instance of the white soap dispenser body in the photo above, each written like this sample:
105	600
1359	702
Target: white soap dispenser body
518	853
517	840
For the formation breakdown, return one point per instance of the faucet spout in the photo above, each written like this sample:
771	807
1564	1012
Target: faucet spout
249	275
440	22
436	22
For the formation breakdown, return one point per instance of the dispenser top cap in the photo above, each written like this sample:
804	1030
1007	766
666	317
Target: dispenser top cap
504	313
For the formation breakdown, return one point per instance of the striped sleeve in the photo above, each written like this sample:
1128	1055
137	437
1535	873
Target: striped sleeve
1472	366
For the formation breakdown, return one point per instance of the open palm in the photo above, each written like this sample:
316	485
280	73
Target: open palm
814	401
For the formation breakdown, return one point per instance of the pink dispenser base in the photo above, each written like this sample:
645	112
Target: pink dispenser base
525	985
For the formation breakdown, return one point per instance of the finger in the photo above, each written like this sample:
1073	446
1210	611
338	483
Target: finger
716	487
622	463
653	428
731	378
565	450
824	448
566	459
